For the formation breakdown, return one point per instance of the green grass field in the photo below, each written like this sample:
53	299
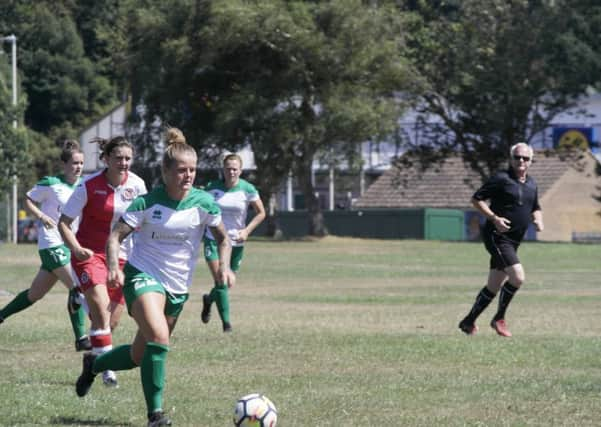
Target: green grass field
340	332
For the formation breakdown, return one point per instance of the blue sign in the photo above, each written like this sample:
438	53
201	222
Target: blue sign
584	137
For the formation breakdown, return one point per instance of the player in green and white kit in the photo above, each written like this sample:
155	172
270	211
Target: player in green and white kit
51	193
169	223
233	195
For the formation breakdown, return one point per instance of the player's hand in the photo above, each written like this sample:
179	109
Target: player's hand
539	225
227	277
501	224
115	278
242	235
83	254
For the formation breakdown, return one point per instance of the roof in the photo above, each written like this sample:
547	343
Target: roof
450	184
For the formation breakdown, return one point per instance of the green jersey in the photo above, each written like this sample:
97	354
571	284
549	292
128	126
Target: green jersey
52	193
168	234
233	203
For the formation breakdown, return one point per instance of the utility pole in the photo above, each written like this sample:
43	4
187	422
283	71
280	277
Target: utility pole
13	40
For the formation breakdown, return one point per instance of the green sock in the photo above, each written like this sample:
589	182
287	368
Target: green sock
20	302
152	371
219	294
78	321
117	359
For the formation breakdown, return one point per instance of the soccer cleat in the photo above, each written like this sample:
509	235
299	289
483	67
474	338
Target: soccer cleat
500	327
468	328
109	378
158	419
83	344
85	380
1	319
227	327
73	302
205	315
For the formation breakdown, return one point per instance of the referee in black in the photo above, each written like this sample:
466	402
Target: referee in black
513	197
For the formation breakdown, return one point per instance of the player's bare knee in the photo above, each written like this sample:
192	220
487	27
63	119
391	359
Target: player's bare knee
518	280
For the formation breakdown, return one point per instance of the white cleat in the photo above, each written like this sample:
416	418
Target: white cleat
109	379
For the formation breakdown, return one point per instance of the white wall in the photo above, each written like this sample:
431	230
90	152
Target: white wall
113	124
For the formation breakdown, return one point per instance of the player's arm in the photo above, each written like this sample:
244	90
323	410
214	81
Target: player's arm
537	219
502	224
64	227
119	232
33	209
226	276
259	209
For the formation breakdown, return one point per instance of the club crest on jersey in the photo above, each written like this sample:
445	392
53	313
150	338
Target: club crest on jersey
157	214
128	194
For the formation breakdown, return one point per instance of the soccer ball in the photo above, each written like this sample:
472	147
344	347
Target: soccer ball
255	410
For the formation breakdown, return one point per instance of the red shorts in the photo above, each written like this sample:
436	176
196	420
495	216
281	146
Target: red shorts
93	272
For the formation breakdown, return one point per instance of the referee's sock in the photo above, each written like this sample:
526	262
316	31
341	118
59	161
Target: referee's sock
505	297
484	298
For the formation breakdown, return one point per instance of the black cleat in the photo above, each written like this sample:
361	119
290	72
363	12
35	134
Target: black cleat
227	327
468	328
158	419
83	344
205	315
85	380
1	319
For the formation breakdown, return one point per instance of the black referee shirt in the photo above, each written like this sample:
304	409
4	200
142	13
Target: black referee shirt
511	199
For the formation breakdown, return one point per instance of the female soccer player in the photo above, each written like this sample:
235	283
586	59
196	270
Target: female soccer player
233	195
51	193
99	201
169	222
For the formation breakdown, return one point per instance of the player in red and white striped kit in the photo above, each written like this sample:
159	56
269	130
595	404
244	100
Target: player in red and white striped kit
99	201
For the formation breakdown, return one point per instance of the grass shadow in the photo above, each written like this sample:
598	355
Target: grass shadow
74	421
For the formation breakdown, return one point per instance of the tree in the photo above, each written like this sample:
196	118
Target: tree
289	77
14	143
497	72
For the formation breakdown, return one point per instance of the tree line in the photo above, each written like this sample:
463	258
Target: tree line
297	80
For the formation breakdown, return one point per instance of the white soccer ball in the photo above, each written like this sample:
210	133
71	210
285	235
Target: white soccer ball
255	410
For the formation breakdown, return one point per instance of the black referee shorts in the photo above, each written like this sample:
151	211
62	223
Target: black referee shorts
503	250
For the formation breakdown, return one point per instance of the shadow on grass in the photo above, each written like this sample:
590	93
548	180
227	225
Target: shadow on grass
73	421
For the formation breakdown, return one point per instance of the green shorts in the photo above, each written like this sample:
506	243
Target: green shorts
55	257
138	283
212	254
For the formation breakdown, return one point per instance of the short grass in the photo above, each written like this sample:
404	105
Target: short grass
337	332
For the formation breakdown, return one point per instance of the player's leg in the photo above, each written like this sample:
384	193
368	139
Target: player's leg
148	311
42	283
219	292
516	277
77	314
496	278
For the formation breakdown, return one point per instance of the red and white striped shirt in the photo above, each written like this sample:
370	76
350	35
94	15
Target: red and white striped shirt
99	206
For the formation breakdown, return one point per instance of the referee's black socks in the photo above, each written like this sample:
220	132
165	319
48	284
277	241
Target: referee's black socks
482	300
507	293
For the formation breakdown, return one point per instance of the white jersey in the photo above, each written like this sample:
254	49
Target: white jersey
99	206
233	203
51	193
168	235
